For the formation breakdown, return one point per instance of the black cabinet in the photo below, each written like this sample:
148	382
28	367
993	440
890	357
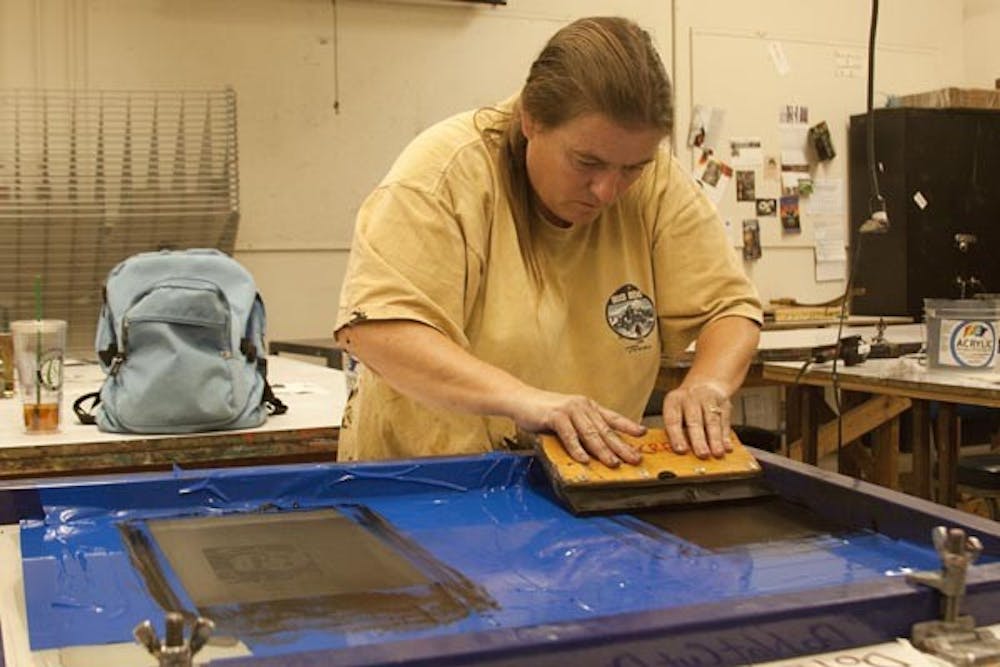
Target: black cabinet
940	178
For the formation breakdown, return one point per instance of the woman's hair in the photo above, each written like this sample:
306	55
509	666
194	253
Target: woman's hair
604	65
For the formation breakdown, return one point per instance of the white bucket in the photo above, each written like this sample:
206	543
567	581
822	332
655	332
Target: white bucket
962	333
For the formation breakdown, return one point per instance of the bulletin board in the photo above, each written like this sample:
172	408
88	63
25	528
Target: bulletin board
751	75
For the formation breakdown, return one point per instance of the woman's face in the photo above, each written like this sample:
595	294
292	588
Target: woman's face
580	167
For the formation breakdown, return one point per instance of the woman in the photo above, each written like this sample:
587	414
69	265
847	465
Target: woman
523	268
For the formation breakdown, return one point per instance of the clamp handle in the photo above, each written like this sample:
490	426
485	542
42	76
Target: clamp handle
174	651
957	552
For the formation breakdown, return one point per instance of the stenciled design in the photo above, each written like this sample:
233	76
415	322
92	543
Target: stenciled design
50	370
630	313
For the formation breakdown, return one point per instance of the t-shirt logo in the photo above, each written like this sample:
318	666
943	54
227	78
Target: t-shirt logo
630	313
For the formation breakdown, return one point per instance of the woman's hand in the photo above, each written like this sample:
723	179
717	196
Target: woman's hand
696	419
697	414
585	428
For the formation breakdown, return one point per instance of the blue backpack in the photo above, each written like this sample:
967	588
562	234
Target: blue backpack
180	338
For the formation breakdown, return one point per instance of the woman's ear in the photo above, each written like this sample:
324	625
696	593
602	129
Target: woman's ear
529	127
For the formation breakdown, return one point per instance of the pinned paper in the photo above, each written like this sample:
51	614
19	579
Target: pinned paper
751	240
745	152
827	197
777	53
831	251
706	123
791	174
745	188
772	169
822	143
920	200
767	207
790	214
794	114
831	257
793	133
713	176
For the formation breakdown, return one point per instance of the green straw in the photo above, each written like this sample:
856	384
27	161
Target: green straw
38	297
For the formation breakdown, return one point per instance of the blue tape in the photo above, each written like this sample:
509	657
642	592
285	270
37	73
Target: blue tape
489	518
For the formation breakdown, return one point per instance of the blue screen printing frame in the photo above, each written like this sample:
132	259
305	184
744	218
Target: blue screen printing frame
723	633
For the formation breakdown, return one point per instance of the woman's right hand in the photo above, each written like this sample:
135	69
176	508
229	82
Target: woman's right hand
585	428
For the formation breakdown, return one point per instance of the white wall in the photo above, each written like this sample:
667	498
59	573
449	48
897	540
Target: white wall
981	23
330	90
328	93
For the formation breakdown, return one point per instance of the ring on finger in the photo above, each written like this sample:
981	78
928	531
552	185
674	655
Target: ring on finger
715	410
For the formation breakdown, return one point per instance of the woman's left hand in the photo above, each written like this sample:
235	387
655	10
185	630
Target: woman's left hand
697	419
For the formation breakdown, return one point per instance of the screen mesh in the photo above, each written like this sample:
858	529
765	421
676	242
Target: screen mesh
88	178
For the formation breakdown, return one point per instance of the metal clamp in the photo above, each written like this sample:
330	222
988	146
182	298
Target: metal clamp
174	651
954	637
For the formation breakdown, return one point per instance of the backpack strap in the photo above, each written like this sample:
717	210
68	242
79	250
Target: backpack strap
275	406
248	349
86	415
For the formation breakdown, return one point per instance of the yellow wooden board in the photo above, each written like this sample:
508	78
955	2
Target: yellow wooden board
659	465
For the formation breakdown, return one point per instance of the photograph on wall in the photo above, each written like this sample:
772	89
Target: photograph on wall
790	215
745	189
822	142
767	207
713	176
751	240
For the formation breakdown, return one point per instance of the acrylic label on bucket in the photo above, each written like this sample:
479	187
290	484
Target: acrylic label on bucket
967	343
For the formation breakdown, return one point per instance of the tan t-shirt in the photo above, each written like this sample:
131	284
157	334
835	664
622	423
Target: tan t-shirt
435	243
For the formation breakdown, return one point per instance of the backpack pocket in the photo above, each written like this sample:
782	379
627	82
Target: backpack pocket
178	372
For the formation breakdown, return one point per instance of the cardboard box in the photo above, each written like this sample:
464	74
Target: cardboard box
952	98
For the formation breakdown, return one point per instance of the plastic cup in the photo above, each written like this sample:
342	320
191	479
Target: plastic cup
39	349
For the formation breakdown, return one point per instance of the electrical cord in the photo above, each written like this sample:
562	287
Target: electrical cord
878	222
876	203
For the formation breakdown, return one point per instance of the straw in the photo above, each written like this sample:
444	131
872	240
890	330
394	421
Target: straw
38	297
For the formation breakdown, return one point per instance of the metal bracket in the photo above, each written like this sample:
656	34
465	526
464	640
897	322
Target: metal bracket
175	651
955	637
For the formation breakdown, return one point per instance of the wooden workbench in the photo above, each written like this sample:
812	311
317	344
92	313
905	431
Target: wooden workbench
896	385
315	396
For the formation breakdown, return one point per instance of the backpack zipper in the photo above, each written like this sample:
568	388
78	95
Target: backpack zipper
119	358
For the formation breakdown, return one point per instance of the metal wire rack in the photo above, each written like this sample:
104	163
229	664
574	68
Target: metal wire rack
88	178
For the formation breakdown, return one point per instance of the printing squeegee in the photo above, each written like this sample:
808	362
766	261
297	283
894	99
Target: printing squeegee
661	478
